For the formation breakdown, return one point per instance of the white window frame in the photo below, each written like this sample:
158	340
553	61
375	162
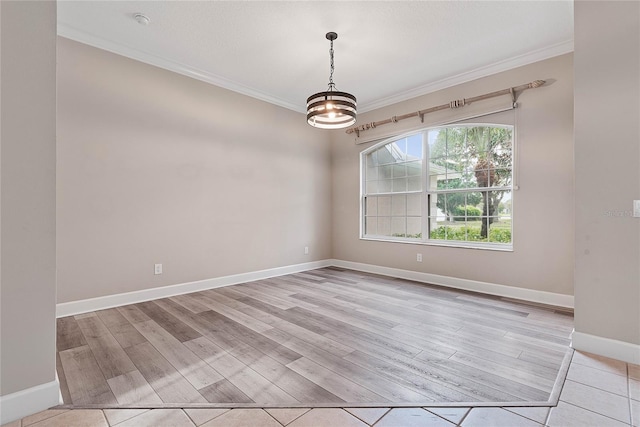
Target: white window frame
426	193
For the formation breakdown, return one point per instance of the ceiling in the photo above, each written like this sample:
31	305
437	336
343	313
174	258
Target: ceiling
276	51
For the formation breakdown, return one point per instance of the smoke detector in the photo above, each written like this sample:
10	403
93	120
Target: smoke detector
141	19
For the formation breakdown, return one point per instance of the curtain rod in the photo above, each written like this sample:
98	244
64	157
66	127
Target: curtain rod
453	104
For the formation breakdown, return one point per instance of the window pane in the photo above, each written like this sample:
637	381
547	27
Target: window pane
457	230
399	185
385	155
504	206
493	200
385	172
384	186
414	204
414	147
399	170
371	226
371	187
414	183
475	229
436	176
372	159
399	227
469	178
500	178
399	149
384	205
399	205
371	206
372	174
414	227
437	143
414	168
500	230
384	226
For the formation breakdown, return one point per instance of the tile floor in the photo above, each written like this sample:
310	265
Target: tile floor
598	392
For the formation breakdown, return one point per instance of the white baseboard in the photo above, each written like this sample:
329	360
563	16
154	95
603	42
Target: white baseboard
531	295
101	303
607	347
26	402
109	301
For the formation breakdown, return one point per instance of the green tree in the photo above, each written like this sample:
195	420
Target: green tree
481	156
455	200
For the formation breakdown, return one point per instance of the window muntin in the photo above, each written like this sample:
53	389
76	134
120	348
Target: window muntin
450	185
393	189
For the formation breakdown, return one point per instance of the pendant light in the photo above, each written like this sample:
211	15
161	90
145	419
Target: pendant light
331	109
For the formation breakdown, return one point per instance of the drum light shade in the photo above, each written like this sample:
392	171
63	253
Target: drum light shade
331	109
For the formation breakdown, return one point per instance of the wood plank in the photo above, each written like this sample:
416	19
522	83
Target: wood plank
283	377
334	383
111	358
468	379
329	345
131	388
254	385
287	315
503	371
264	296
181	331
260	342
191	302
364	332
517	363
133	314
235	315
436	384
219	336
68	334
167	382
62	378
224	392
126	335
194	369
390	390
111	317
343	310
87	384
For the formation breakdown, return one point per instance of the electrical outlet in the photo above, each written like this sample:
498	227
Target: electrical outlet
306	250
636	208
157	269
419	257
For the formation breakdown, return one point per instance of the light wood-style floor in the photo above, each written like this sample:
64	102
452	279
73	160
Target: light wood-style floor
326	337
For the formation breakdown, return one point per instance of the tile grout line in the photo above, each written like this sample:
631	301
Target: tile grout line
629	394
274	418
464	417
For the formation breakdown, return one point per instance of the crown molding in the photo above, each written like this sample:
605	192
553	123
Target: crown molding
498	67
72	33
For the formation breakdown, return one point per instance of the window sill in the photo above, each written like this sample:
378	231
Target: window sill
445	243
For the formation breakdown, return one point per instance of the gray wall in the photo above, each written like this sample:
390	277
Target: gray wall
542	258
27	194
156	167
607	157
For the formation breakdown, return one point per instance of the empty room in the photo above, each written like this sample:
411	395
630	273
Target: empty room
320	213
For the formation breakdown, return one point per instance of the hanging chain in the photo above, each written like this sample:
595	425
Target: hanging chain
332	85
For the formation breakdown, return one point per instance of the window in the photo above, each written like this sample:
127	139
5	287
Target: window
449	185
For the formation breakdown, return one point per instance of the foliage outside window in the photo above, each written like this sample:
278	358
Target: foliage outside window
450	185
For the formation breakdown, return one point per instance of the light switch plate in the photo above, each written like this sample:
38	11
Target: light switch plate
636	208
